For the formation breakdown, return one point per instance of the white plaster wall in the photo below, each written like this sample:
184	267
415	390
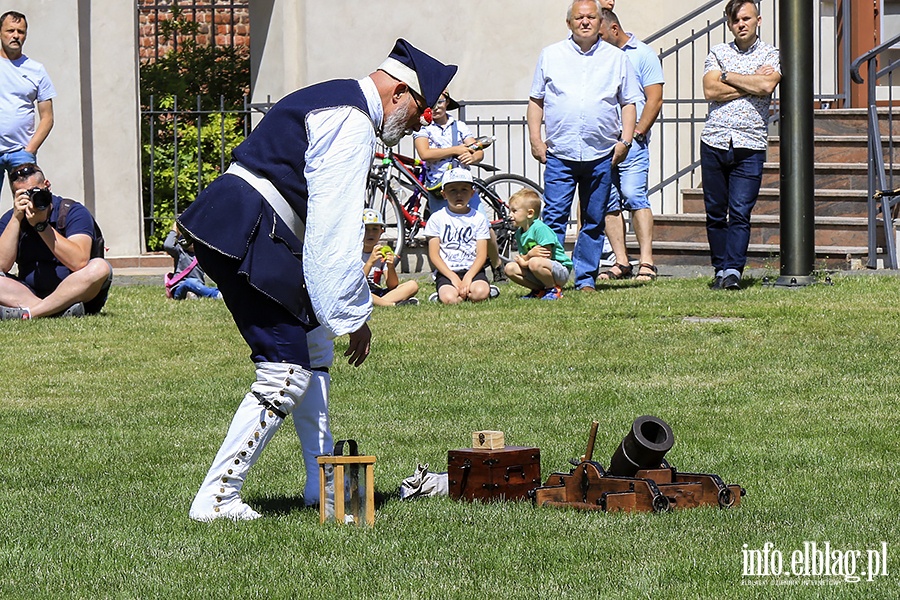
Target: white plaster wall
53	40
92	154
112	159
495	44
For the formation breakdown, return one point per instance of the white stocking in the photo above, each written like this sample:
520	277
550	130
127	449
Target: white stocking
277	391
314	431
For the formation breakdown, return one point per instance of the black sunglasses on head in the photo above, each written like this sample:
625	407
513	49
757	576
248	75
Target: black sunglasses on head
24	172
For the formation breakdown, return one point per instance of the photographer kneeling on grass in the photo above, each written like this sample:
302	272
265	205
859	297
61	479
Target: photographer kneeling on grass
57	275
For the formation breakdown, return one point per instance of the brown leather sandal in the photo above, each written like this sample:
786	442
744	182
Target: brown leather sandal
624	272
654	272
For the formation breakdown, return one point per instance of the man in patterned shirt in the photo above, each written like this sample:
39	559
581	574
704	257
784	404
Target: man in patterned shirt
738	80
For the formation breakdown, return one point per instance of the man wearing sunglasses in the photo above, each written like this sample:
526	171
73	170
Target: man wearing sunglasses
56	275
24	83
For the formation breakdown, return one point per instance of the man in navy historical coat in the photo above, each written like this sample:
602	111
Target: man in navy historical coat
281	235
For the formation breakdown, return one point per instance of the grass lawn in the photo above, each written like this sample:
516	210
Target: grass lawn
110	423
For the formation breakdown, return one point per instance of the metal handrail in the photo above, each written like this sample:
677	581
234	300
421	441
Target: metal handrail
674	177
877	177
683	20
868	56
696	35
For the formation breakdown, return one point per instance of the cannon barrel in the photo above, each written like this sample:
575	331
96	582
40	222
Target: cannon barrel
643	448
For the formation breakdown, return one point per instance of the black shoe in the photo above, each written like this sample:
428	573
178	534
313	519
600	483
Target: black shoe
716	283
408	302
732	282
499	274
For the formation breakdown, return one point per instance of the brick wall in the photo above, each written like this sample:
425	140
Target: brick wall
220	22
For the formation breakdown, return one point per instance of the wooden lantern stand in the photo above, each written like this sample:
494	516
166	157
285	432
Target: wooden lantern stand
348	464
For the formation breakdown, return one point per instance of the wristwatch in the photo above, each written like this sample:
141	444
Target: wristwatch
627	144
723	76
39	227
640	137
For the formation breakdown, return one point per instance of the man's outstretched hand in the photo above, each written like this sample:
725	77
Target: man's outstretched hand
359	345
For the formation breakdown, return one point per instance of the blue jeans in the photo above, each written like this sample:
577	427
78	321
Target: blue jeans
593	179
629	181
193	285
731	181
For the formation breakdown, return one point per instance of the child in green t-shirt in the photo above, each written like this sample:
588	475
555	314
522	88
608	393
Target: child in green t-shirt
542	264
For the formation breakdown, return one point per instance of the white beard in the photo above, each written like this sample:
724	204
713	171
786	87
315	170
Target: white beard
394	128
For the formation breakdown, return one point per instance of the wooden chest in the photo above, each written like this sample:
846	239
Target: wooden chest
507	473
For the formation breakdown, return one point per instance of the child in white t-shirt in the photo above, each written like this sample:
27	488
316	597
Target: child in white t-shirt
457	243
445	144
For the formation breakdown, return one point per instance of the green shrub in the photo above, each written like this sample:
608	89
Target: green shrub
185	159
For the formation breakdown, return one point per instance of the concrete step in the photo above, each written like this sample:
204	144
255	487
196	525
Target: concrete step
828	202
853	121
835	176
764	229
833	149
149	260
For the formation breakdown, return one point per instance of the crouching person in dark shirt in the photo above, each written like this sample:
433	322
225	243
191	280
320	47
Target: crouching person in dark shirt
57	275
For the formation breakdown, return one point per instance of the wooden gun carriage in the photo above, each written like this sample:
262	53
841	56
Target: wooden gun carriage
639	478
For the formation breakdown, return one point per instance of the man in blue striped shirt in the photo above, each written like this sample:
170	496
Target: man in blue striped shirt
580	86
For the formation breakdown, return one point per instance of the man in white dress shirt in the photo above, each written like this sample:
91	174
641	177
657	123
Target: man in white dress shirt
275	234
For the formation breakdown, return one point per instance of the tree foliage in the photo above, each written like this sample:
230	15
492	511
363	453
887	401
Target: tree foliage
184	149
187	155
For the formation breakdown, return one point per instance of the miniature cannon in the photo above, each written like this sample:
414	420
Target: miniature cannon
643	448
639	478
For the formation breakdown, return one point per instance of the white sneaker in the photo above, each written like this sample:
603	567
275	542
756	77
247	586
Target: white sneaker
495	291
434	297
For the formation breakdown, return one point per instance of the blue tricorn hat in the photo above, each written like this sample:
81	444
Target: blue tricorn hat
422	73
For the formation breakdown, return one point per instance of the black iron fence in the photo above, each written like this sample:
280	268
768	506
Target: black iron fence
184	148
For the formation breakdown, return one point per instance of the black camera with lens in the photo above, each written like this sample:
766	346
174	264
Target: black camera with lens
41	198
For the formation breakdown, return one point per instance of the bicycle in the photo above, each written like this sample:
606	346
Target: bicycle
395	188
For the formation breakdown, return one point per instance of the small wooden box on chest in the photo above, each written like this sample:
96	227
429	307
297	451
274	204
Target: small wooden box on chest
507	473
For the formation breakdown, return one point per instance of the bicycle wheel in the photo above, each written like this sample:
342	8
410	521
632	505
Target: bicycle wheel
495	192
385	201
